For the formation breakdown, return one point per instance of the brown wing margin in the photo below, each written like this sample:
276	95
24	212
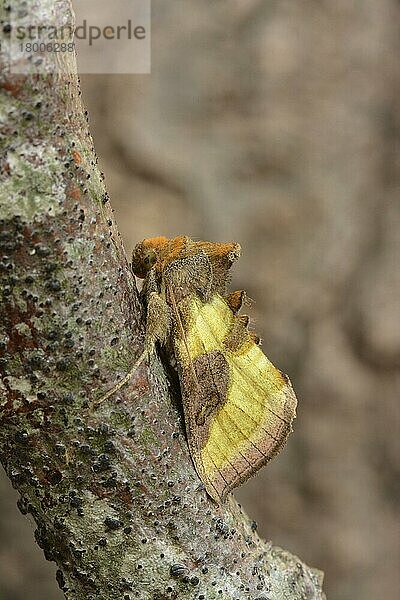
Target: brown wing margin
182	332
191	434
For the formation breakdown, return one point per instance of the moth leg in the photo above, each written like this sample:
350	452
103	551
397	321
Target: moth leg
125	380
158	324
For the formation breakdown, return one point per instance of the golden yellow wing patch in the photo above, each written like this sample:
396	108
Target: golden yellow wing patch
245	406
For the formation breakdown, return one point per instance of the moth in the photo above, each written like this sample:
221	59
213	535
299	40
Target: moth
238	408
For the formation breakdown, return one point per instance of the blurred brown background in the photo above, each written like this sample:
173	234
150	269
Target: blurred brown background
275	123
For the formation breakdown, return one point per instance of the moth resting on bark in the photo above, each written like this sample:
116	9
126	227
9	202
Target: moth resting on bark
238	407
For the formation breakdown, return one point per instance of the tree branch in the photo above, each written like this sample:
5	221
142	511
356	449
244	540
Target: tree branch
112	489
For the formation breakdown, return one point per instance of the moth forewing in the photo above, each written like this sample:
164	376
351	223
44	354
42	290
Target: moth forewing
239	408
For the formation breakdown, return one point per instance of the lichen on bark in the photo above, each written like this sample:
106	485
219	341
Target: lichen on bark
117	503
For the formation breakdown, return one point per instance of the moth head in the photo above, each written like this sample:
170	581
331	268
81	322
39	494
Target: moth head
145	255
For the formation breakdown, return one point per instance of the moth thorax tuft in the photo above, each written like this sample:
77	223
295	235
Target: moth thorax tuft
234	254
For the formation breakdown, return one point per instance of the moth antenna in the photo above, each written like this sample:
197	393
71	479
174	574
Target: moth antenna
125	380
234	254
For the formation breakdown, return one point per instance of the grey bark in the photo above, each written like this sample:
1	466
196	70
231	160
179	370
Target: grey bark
117	503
